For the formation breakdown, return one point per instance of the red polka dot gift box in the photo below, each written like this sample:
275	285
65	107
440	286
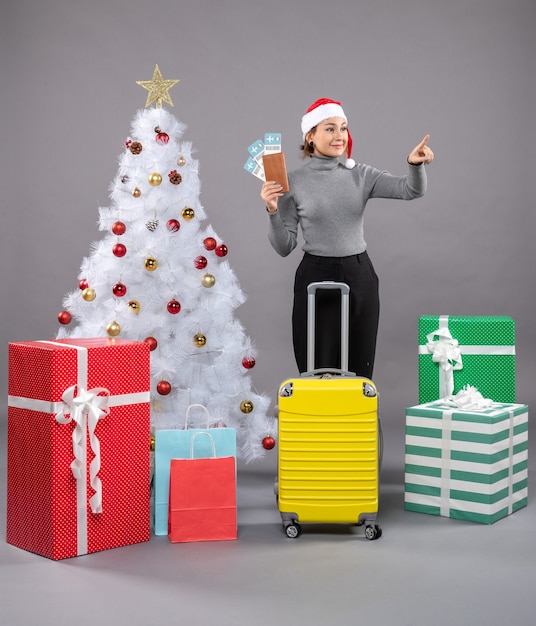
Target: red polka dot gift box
78	461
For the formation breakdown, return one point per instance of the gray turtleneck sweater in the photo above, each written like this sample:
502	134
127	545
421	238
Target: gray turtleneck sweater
328	201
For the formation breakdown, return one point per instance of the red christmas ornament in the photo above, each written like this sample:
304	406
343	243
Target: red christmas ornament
119	290
151	341
174	307
200	262
248	362
83	284
118	228
173	225
119	250
209	243
163	387
64	317
268	443
162	138
221	250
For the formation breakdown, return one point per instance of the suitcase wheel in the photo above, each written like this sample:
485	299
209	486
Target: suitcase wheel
373	532
293	530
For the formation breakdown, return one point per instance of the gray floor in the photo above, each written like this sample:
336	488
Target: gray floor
424	570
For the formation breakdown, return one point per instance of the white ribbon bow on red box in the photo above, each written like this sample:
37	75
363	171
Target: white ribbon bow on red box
85	408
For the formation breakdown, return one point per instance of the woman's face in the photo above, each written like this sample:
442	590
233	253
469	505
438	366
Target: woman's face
330	137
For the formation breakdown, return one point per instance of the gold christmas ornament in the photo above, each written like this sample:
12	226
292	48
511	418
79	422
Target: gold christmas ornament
158	89
208	280
246	406
151	264
89	294
181	161
136	193
152	443
135	306
113	329
200	340
188	213
155	179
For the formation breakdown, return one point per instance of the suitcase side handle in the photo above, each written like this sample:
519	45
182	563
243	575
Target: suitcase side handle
311	317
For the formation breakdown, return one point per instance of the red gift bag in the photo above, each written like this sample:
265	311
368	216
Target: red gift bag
202	497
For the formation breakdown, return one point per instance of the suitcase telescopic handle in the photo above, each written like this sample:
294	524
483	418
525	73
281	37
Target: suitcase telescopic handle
311	320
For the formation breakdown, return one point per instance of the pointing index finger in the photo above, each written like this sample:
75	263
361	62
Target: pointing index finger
424	141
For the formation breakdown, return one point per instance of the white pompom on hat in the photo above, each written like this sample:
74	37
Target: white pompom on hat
321	110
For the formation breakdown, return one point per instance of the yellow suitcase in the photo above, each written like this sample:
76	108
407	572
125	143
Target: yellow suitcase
329	442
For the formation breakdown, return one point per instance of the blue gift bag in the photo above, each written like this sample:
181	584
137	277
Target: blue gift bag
175	444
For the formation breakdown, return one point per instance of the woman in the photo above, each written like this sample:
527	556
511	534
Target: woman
327	200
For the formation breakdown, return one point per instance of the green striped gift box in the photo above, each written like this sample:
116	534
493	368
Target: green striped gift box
468	465
487	350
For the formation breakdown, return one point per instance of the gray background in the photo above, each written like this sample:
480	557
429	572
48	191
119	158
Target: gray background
463	71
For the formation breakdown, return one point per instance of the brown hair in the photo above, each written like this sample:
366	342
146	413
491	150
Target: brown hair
306	149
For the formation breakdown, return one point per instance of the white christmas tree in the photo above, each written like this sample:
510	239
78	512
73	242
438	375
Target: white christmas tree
159	276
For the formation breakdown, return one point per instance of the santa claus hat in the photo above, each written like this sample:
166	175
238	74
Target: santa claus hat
321	110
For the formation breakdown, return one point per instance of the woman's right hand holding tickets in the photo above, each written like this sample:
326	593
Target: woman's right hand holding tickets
270	192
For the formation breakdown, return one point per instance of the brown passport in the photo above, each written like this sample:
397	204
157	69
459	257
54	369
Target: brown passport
276	169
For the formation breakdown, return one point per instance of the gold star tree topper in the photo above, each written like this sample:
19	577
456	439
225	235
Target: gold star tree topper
158	89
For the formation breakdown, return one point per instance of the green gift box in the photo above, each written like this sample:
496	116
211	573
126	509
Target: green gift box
467	465
455	351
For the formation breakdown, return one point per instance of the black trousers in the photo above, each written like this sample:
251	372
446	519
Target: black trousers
358	273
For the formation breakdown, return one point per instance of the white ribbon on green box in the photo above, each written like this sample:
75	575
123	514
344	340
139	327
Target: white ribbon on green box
446	352
445	462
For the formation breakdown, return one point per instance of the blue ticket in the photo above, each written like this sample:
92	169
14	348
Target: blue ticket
256	149
255	168
272	143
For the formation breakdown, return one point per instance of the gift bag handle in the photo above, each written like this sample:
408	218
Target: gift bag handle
201	406
192	443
